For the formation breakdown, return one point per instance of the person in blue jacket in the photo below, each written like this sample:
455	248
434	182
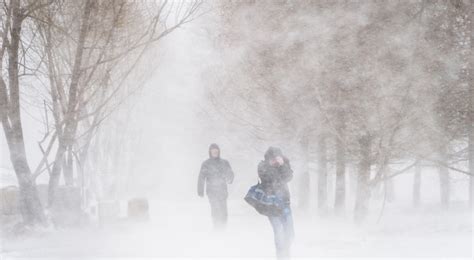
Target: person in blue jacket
275	172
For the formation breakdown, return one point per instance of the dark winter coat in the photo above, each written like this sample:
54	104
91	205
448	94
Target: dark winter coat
275	179
215	174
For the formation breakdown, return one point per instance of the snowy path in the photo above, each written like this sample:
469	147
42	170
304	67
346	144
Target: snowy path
185	231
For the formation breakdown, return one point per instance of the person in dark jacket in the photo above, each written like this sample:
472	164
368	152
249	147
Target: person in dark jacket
275	172
215	174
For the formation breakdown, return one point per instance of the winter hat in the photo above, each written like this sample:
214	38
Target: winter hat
214	146
272	152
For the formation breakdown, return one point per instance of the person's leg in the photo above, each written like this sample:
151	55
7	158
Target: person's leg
224	211
279	236
289	231
214	210
218	211
221	212
289	227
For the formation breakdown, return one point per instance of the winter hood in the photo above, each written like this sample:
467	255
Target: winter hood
272	152
214	146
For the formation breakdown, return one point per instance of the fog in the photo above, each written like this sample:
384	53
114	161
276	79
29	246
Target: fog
371	103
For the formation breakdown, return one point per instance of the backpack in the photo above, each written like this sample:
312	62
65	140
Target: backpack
265	204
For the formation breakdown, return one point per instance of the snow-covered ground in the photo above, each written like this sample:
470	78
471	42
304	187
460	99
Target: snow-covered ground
183	230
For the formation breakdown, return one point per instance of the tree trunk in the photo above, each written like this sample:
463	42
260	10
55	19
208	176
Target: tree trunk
471	153
304	190
340	196
363	178
322	174
389	185
55	174
305	178
68	168
30	204
417	186
470	119
70	118
444	180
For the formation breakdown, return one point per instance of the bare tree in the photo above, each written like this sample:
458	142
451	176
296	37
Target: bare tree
87	52
94	67
13	15
376	105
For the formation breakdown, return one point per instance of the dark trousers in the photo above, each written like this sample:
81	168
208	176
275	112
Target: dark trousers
284	232
218	210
